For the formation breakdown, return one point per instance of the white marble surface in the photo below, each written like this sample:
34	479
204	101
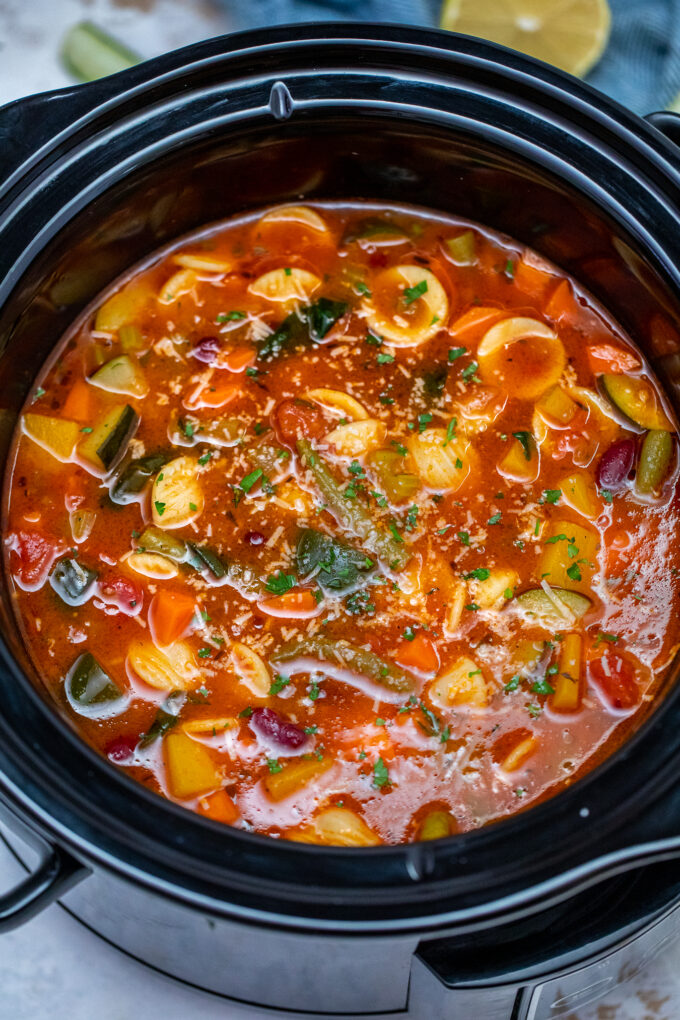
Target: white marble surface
54	968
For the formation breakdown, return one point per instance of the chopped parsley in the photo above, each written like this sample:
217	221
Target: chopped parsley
550	496
384	359
450	431
456	352
512	684
278	684
469	372
230	317
273	764
381	775
464	537
479	574
395	533
412	294
495	518
524	439
573	572
160	507
280	583
247	483
203	460
412	517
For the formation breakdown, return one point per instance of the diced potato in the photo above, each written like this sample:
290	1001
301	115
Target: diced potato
357	437
190	767
338	402
177	496
441	463
121	375
294	776
82	523
337	827
456	597
251	669
462	683
152	565
180	283
519	754
172	669
580	493
461	249
123	307
525	655
295	214
56	435
516	465
553	610
489	592
567	683
556	406
409	305
436	825
211	725
287	287
524	354
202	262
570	561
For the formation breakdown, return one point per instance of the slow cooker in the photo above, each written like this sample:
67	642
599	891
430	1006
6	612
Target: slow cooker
527	919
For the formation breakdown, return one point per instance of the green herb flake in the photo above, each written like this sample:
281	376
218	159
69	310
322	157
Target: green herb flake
542	687
384	359
160	507
273	764
381	775
412	294
249	481
456	352
280	583
278	684
450	431
469	372
495	518
607	496
395	533
230	317
512	684
203	460
550	496
464	537
524	439
479	574
573	572
203	653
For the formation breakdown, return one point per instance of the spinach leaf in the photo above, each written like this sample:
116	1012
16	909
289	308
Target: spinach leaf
339	564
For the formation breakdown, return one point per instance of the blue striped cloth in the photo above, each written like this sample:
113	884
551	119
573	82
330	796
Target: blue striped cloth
640	68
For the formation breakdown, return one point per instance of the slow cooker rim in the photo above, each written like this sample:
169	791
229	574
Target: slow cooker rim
387	850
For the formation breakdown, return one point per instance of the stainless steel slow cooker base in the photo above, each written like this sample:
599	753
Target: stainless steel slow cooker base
358	979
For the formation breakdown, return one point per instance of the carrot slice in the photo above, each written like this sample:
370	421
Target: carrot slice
219	806
474	319
532	280
170	615
79	404
420	654
211	394
614	360
562	304
300	603
237	359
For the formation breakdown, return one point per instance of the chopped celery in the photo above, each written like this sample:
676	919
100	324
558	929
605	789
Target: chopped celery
105	446
655	458
462	248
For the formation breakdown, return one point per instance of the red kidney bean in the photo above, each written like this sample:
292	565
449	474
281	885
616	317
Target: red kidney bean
616	464
207	349
268	724
121	750
253	537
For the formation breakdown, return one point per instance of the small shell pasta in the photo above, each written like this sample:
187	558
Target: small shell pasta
295	214
152	565
338	827
408	305
177	496
202	262
441	463
523	354
338	402
172	669
357	437
251	669
181	282
287	287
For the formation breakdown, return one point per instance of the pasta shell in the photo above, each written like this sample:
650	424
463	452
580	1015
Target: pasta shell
460	684
338	827
295	214
177	497
251	669
172	669
442	463
202	262
338	402
152	565
181	282
289	288
357	437
533	368
211	725
417	303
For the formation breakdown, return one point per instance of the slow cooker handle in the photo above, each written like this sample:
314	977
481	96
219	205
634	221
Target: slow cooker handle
667	123
55	875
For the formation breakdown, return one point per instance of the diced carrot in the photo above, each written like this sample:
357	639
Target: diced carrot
170	615
531	280
562	304
237	359
519	754
300	603
420	654
79	404
566	684
614	677
474	319
607	358
219	806
211	394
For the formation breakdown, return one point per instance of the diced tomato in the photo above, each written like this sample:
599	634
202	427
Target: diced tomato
607	358
170	615
34	554
420	654
296	419
614	677
121	594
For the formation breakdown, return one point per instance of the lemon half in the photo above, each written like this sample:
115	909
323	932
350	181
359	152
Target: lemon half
570	34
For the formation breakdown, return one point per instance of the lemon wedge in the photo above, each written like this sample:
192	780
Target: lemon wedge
570	34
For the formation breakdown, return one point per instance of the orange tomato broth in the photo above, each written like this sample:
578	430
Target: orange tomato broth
468	510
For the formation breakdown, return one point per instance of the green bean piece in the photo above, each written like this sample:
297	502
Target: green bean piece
655	458
156	540
351	514
202	557
347	656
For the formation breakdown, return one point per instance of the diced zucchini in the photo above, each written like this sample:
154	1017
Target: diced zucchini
130	338
72	581
56	435
537	604
105	446
295	776
91	691
569	556
122	374
436	825
135	476
165	719
655	458
462	248
190	767
202	557
637	400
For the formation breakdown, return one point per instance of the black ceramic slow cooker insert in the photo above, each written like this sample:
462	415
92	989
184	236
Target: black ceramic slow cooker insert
527	918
